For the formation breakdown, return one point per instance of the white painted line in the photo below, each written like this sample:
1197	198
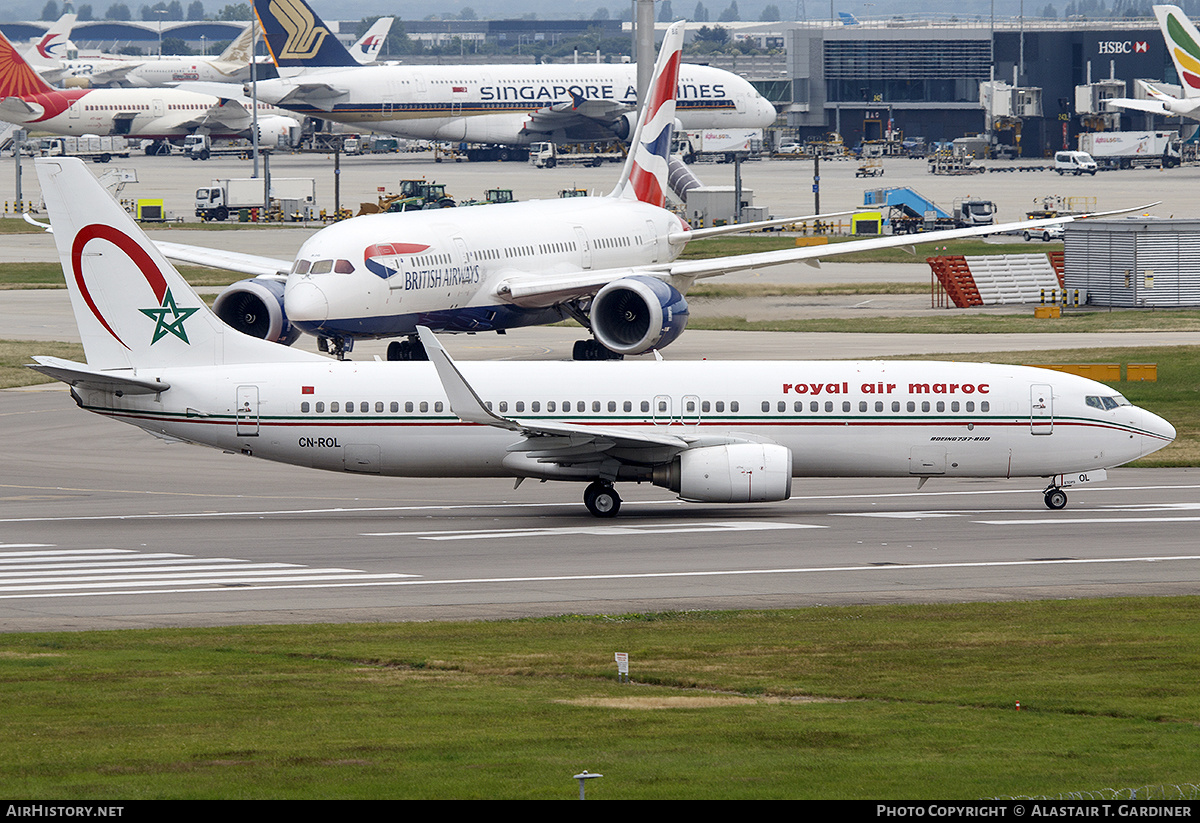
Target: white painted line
1067	520
508	581
600	530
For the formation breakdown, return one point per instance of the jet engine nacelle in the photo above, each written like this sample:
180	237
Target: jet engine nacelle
625	125
255	307
734	473
277	130
77	82
635	314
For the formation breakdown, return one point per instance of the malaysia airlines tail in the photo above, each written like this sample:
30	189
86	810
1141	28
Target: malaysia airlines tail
367	48
17	78
298	38
1183	42
133	309
646	169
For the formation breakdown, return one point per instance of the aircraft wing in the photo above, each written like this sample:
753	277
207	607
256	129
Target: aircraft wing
1151	106
580	112
546	441
230	260
531	290
312	93
81	374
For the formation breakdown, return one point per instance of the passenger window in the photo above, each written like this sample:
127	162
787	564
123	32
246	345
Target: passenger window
705	406
334	407
828	405
551	405
912	407
520	405
878	405
408	406
628	406
320	407
970	405
646	406
437	407
379	406
535	406
814	406
425	407
720	405
985	406
304	407
595	405
845	405
733	406
365	407
766	405
395	407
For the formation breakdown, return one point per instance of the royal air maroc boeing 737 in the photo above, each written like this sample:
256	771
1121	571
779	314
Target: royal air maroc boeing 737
710	431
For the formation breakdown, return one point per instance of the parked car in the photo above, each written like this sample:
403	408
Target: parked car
1047	233
790	148
1074	162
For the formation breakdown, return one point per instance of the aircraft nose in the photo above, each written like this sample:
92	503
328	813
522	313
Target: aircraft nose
1158	433
304	302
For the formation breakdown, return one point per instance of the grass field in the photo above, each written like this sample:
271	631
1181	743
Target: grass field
865	702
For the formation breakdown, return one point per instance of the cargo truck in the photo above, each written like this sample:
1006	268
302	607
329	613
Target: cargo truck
1128	149
88	147
226	197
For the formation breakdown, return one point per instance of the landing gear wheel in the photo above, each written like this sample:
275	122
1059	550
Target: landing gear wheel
1056	499
406	350
602	499
592	350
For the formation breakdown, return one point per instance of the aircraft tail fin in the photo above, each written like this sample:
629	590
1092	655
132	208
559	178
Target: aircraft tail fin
297	37
17	77
133	308
367	48
240	49
646	169
1183	42
52	46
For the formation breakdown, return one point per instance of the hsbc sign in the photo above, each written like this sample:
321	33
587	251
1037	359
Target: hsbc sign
1124	47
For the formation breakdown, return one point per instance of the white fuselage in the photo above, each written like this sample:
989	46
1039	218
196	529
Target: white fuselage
444	268
154	73
494	104
147	113
847	419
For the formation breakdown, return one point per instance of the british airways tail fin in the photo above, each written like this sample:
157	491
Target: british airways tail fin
132	307
298	38
1183	42
646	168
17	77
367	48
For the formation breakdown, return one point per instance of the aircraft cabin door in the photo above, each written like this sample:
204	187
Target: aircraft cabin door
661	412
247	411
689	410
652	241
1041	409
585	247
158	108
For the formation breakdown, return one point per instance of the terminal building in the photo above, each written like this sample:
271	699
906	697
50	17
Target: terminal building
864	81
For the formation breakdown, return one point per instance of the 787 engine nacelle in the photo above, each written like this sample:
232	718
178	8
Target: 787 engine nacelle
635	314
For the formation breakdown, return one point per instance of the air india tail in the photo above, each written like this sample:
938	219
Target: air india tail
17	77
133	308
646	168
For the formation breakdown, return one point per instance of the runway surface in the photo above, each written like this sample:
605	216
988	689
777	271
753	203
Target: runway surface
102	526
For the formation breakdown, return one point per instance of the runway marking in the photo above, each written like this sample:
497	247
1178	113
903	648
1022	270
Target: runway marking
1074	521
505	504
69	572
574	578
623	530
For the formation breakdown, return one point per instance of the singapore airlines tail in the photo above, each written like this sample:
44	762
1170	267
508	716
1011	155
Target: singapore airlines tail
646	168
133	308
1183	42
298	38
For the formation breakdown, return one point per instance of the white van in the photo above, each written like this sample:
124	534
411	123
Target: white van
1074	162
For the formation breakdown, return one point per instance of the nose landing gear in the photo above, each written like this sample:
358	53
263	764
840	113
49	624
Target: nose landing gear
1055	498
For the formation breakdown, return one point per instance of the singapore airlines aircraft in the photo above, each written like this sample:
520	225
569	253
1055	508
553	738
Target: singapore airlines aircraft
1183	42
710	431
608	262
507	104
159	114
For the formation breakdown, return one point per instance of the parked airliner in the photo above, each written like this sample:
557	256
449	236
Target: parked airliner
507	104
710	431
158	114
608	262
1183	43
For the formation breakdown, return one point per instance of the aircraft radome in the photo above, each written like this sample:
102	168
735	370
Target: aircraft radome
711	431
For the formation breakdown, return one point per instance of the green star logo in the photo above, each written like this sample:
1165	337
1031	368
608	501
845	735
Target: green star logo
168	319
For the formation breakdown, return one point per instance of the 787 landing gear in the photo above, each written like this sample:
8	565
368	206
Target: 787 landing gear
602	499
1056	498
410	349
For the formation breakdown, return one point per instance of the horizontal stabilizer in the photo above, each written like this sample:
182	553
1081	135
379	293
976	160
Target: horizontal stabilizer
83	376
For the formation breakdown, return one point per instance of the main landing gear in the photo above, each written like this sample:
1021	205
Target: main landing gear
602	499
337	346
592	350
410	349
1056	498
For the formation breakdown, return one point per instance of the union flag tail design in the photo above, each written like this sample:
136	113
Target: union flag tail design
646	169
17	78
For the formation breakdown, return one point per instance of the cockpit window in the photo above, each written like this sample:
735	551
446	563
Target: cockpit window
1106	403
322	267
301	267
343	267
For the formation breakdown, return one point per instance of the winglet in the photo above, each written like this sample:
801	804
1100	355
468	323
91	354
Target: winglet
646	170
464	402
